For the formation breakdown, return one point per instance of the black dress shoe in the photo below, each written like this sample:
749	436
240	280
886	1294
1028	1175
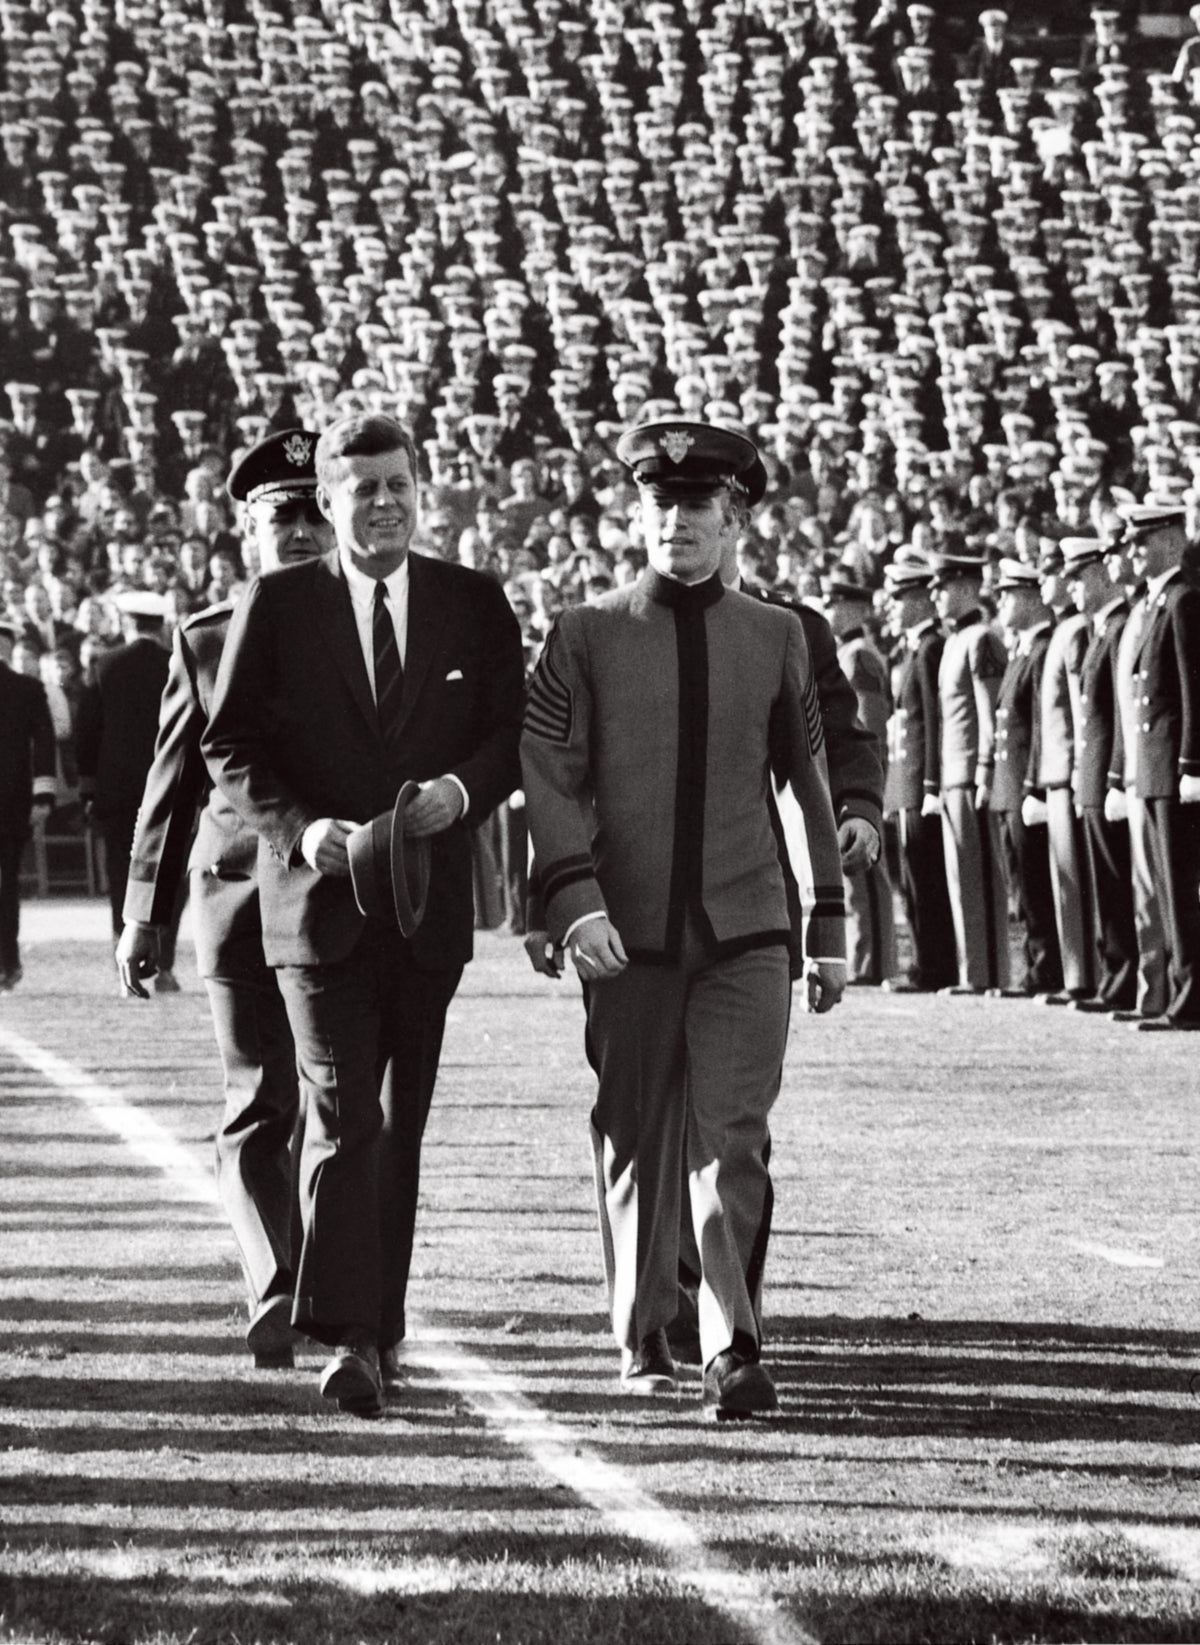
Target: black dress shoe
352	1378
1091	1007
269	1336
391	1364
903	985
1165	1025
736	1387
1010	993
649	1370
958	988
1127	1016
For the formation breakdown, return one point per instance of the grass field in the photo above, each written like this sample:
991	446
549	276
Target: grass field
984	1318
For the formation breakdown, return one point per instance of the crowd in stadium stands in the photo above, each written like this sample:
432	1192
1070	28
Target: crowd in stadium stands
952	288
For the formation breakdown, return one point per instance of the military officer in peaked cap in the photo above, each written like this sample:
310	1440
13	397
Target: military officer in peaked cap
1168	749
969	675
655	720
276	484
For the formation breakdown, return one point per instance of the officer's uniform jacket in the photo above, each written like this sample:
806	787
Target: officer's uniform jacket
224	850
118	722
1167	684
915	721
969	675
1060	687
1018	722
655	719
1095	731
867	672
26	750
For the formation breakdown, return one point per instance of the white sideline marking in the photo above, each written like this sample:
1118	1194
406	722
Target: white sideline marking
1110	1253
496	1396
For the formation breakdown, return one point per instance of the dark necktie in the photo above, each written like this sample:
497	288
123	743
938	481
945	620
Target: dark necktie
389	675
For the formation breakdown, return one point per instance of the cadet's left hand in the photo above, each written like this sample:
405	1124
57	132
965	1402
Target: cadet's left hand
439	804
858	843
543	956
1189	790
137	958
825	983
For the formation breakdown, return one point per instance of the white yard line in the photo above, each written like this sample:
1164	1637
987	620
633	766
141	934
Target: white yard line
494	1395
1118	1258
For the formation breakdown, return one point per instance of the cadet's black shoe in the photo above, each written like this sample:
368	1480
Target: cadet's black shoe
1165	1025
960	988
352	1377
650	1370
269	1336
1092	1007
391	1364
736	1387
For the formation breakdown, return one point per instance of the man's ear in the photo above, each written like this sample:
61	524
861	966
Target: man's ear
323	503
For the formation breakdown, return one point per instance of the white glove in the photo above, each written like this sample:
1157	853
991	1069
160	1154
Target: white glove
1116	806
1189	790
1033	811
931	805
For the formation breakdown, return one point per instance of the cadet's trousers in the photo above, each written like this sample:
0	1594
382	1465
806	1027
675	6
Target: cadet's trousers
1114	933
1175	848
1027	863
688	1058
1147	915
975	881
870	925
926	901
1072	893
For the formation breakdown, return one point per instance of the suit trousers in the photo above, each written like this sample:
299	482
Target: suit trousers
11	848
926	901
1027	864
1175	854
368	1031
975	881
1072	891
1114	933
258	1144
870	924
1147	915
688	1059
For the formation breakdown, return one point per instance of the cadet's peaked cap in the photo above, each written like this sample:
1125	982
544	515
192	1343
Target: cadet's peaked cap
844	587
1080	551
141	604
389	870
947	568
692	459
281	468
902	576
1143	518
1016	574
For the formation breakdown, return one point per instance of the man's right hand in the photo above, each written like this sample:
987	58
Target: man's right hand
543	956
137	957
323	846
597	950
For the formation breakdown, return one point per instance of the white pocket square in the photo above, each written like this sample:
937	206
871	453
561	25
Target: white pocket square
454	674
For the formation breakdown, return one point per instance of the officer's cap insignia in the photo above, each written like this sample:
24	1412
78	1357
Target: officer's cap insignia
676	444
297	450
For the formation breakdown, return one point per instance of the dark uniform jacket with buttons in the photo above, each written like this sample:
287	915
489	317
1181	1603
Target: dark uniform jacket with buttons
1096	730
969	674
656	718
294	736
1018	725
915	767
224	893
1060	684
118	722
1168	690
26	750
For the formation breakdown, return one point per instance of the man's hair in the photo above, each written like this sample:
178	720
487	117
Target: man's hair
364	434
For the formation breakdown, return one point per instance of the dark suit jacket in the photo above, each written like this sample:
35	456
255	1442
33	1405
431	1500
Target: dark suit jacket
916	765
294	736
1168	680
117	726
1018	727
1095	735
26	749
228	929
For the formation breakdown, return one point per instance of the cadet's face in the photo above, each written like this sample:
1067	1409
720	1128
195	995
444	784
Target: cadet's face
288	531
686	536
371	503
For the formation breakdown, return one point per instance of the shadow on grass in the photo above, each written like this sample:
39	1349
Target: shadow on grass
311	1612
894	1616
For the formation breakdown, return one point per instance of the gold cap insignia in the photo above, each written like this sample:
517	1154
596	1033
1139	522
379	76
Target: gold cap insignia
297	450
676	444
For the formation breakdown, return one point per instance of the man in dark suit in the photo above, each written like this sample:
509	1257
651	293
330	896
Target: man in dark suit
342	680
1168	747
26	790
277	483
114	744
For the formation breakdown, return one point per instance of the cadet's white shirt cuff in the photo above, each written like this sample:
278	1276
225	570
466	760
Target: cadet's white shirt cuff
596	914
836	959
